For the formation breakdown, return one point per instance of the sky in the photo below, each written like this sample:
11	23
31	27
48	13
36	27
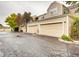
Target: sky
35	7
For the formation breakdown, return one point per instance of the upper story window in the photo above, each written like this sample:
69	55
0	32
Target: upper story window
36	18
65	10
53	11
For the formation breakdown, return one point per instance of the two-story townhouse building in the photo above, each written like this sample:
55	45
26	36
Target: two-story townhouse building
55	22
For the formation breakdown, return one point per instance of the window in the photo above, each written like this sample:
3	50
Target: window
42	17
36	18
66	10
53	11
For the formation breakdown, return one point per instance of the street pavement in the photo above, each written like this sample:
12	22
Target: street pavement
28	45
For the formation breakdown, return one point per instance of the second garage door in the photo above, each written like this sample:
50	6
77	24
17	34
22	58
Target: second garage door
54	29
32	29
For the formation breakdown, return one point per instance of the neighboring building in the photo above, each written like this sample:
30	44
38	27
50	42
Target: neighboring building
5	29
55	22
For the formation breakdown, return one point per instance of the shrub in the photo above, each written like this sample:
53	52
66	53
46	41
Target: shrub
66	38
75	27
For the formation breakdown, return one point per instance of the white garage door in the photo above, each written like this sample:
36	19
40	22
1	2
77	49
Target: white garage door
32	29
51	29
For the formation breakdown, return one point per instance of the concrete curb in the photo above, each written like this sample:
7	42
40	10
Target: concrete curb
69	42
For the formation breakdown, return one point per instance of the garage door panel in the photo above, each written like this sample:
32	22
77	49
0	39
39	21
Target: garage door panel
32	29
51	29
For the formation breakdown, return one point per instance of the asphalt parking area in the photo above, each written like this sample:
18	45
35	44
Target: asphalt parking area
28	45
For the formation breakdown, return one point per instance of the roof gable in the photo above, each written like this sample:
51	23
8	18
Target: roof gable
52	4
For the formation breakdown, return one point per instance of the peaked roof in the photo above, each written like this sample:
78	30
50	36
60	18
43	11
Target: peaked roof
55	2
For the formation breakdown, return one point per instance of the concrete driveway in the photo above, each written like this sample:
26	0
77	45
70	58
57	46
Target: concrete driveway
27	45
